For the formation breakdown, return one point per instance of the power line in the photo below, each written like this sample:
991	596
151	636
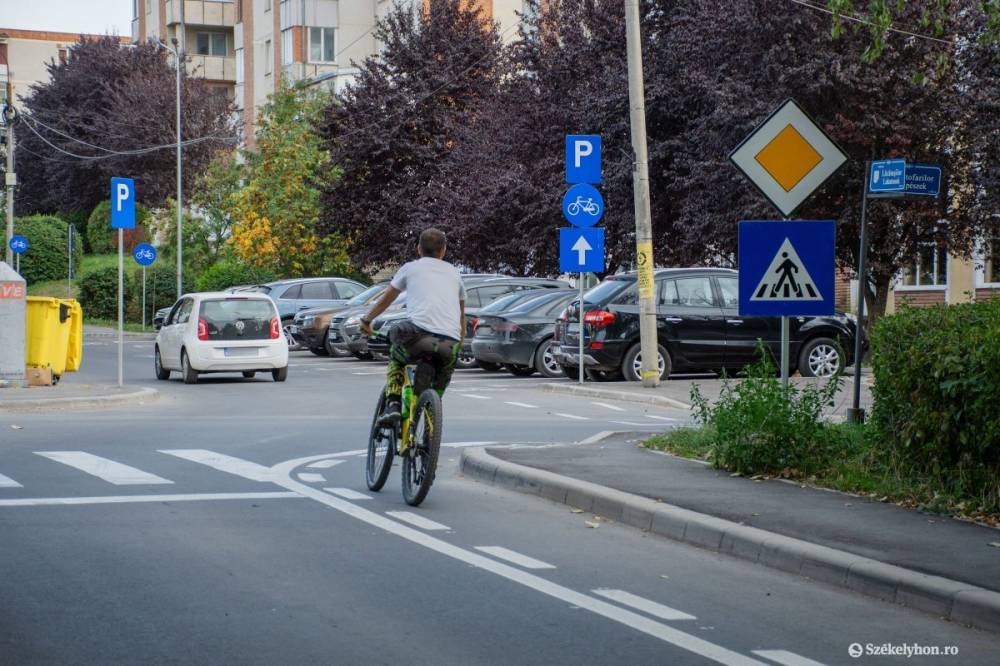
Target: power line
858	19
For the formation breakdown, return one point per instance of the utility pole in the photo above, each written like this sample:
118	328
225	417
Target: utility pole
640	186
180	167
11	181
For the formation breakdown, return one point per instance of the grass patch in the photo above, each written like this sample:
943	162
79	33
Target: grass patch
89	264
131	327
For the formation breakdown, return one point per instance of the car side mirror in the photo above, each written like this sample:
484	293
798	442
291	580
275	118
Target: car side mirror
157	325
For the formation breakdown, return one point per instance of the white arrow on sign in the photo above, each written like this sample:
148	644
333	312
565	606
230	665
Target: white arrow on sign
581	247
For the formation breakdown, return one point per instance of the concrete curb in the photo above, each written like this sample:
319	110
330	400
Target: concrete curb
952	600
609	394
79	402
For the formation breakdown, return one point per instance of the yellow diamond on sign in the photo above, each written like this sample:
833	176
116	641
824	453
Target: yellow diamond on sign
788	158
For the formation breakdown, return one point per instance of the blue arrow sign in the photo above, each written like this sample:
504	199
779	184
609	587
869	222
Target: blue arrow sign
122	203
583	158
583	205
144	254
923	180
18	244
581	250
786	268
887	176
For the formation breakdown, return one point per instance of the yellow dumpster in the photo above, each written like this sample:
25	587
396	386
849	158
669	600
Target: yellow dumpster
48	330
74	351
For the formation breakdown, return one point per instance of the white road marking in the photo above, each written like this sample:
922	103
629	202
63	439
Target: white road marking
128	499
7	482
347	454
607	406
661	418
522	404
514	557
366	374
310	477
474	396
786	658
571	416
462	445
223	463
347	493
645	605
102	468
576	599
324	464
416	521
647	424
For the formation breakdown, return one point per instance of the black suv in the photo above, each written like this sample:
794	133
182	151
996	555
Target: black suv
698	328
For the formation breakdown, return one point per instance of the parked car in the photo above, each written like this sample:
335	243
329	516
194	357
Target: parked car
293	295
220	332
310	327
498	306
520	337
698	328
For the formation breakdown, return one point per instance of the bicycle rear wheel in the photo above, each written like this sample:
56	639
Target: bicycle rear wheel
381	446
420	461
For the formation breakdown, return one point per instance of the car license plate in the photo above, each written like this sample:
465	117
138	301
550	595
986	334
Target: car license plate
293	329
239	352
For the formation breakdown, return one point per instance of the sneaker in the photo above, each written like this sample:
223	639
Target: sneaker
392	416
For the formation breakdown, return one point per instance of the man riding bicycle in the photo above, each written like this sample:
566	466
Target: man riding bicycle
436	326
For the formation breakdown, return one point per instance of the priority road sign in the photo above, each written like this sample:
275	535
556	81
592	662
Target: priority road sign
583	158
786	268
583	205
122	203
788	157
581	250
887	176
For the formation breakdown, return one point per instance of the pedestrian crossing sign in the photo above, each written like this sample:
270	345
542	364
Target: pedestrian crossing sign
786	268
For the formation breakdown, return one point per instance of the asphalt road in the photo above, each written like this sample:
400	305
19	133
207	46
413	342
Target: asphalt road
228	522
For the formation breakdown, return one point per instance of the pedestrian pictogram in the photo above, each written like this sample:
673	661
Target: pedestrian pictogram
786	279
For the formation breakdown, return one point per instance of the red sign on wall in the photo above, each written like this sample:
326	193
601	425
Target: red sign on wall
12	290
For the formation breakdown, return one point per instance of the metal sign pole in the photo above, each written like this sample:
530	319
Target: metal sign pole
18	266
785	344
581	329
143	298
855	414
121	306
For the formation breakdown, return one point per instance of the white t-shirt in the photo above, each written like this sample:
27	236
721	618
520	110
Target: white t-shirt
433	291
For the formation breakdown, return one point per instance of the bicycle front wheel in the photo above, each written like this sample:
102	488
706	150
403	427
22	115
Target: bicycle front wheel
381	446
420	460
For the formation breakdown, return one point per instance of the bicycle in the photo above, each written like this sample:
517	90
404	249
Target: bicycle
416	440
588	206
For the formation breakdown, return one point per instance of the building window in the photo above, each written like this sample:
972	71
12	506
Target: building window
321	45
930	268
135	9
63	56
239	11
268	58
212	43
991	265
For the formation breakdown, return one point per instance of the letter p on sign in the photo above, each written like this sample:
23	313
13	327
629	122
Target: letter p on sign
583	158
122	203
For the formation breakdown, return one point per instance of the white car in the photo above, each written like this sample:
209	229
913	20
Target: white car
220	332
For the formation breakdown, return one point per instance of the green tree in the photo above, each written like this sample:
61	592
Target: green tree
210	199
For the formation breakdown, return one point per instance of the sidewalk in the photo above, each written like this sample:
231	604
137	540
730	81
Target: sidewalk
105	332
72	396
933	563
676	391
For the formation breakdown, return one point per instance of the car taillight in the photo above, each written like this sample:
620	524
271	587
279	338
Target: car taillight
474	322
599	318
202	329
275	328
505	328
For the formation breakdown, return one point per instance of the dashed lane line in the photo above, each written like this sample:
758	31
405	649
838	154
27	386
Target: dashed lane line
7	482
474	396
104	469
661	418
645	605
132	499
786	658
514	557
223	463
521	404
348	494
571	416
417	521
607	406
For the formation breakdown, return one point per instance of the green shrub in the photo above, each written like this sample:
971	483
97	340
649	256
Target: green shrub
102	239
937	390
760	427
230	273
46	258
161	290
78	218
99	293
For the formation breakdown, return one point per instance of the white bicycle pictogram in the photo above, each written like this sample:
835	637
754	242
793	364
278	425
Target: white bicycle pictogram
588	206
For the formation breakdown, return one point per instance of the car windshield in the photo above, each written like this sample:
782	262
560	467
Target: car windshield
258	289
508	301
606	290
237	318
363	297
540	301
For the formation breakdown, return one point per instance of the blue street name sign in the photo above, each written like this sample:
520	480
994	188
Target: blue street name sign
581	250
923	180
786	268
583	158
18	244
144	254
583	205
887	176
122	203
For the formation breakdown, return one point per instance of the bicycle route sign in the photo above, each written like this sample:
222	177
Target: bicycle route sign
786	268
18	244
583	205
144	254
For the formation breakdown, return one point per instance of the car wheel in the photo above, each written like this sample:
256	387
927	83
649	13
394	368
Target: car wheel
821	357
465	361
161	372
280	374
332	351
190	374
363	356
319	351
520	370
490	367
632	363
570	371
249	374
605	375
293	344
545	362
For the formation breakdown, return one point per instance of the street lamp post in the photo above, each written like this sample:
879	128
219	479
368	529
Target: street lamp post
180	170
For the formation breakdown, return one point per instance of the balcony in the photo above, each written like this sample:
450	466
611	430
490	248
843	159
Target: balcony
212	68
212	13
313	12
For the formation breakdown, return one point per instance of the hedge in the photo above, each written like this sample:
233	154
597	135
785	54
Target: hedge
937	389
161	290
102	239
48	241
230	273
99	293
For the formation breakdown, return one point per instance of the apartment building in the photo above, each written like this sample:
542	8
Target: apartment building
244	48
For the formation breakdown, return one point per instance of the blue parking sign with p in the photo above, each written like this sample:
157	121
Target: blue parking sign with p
122	203
583	158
